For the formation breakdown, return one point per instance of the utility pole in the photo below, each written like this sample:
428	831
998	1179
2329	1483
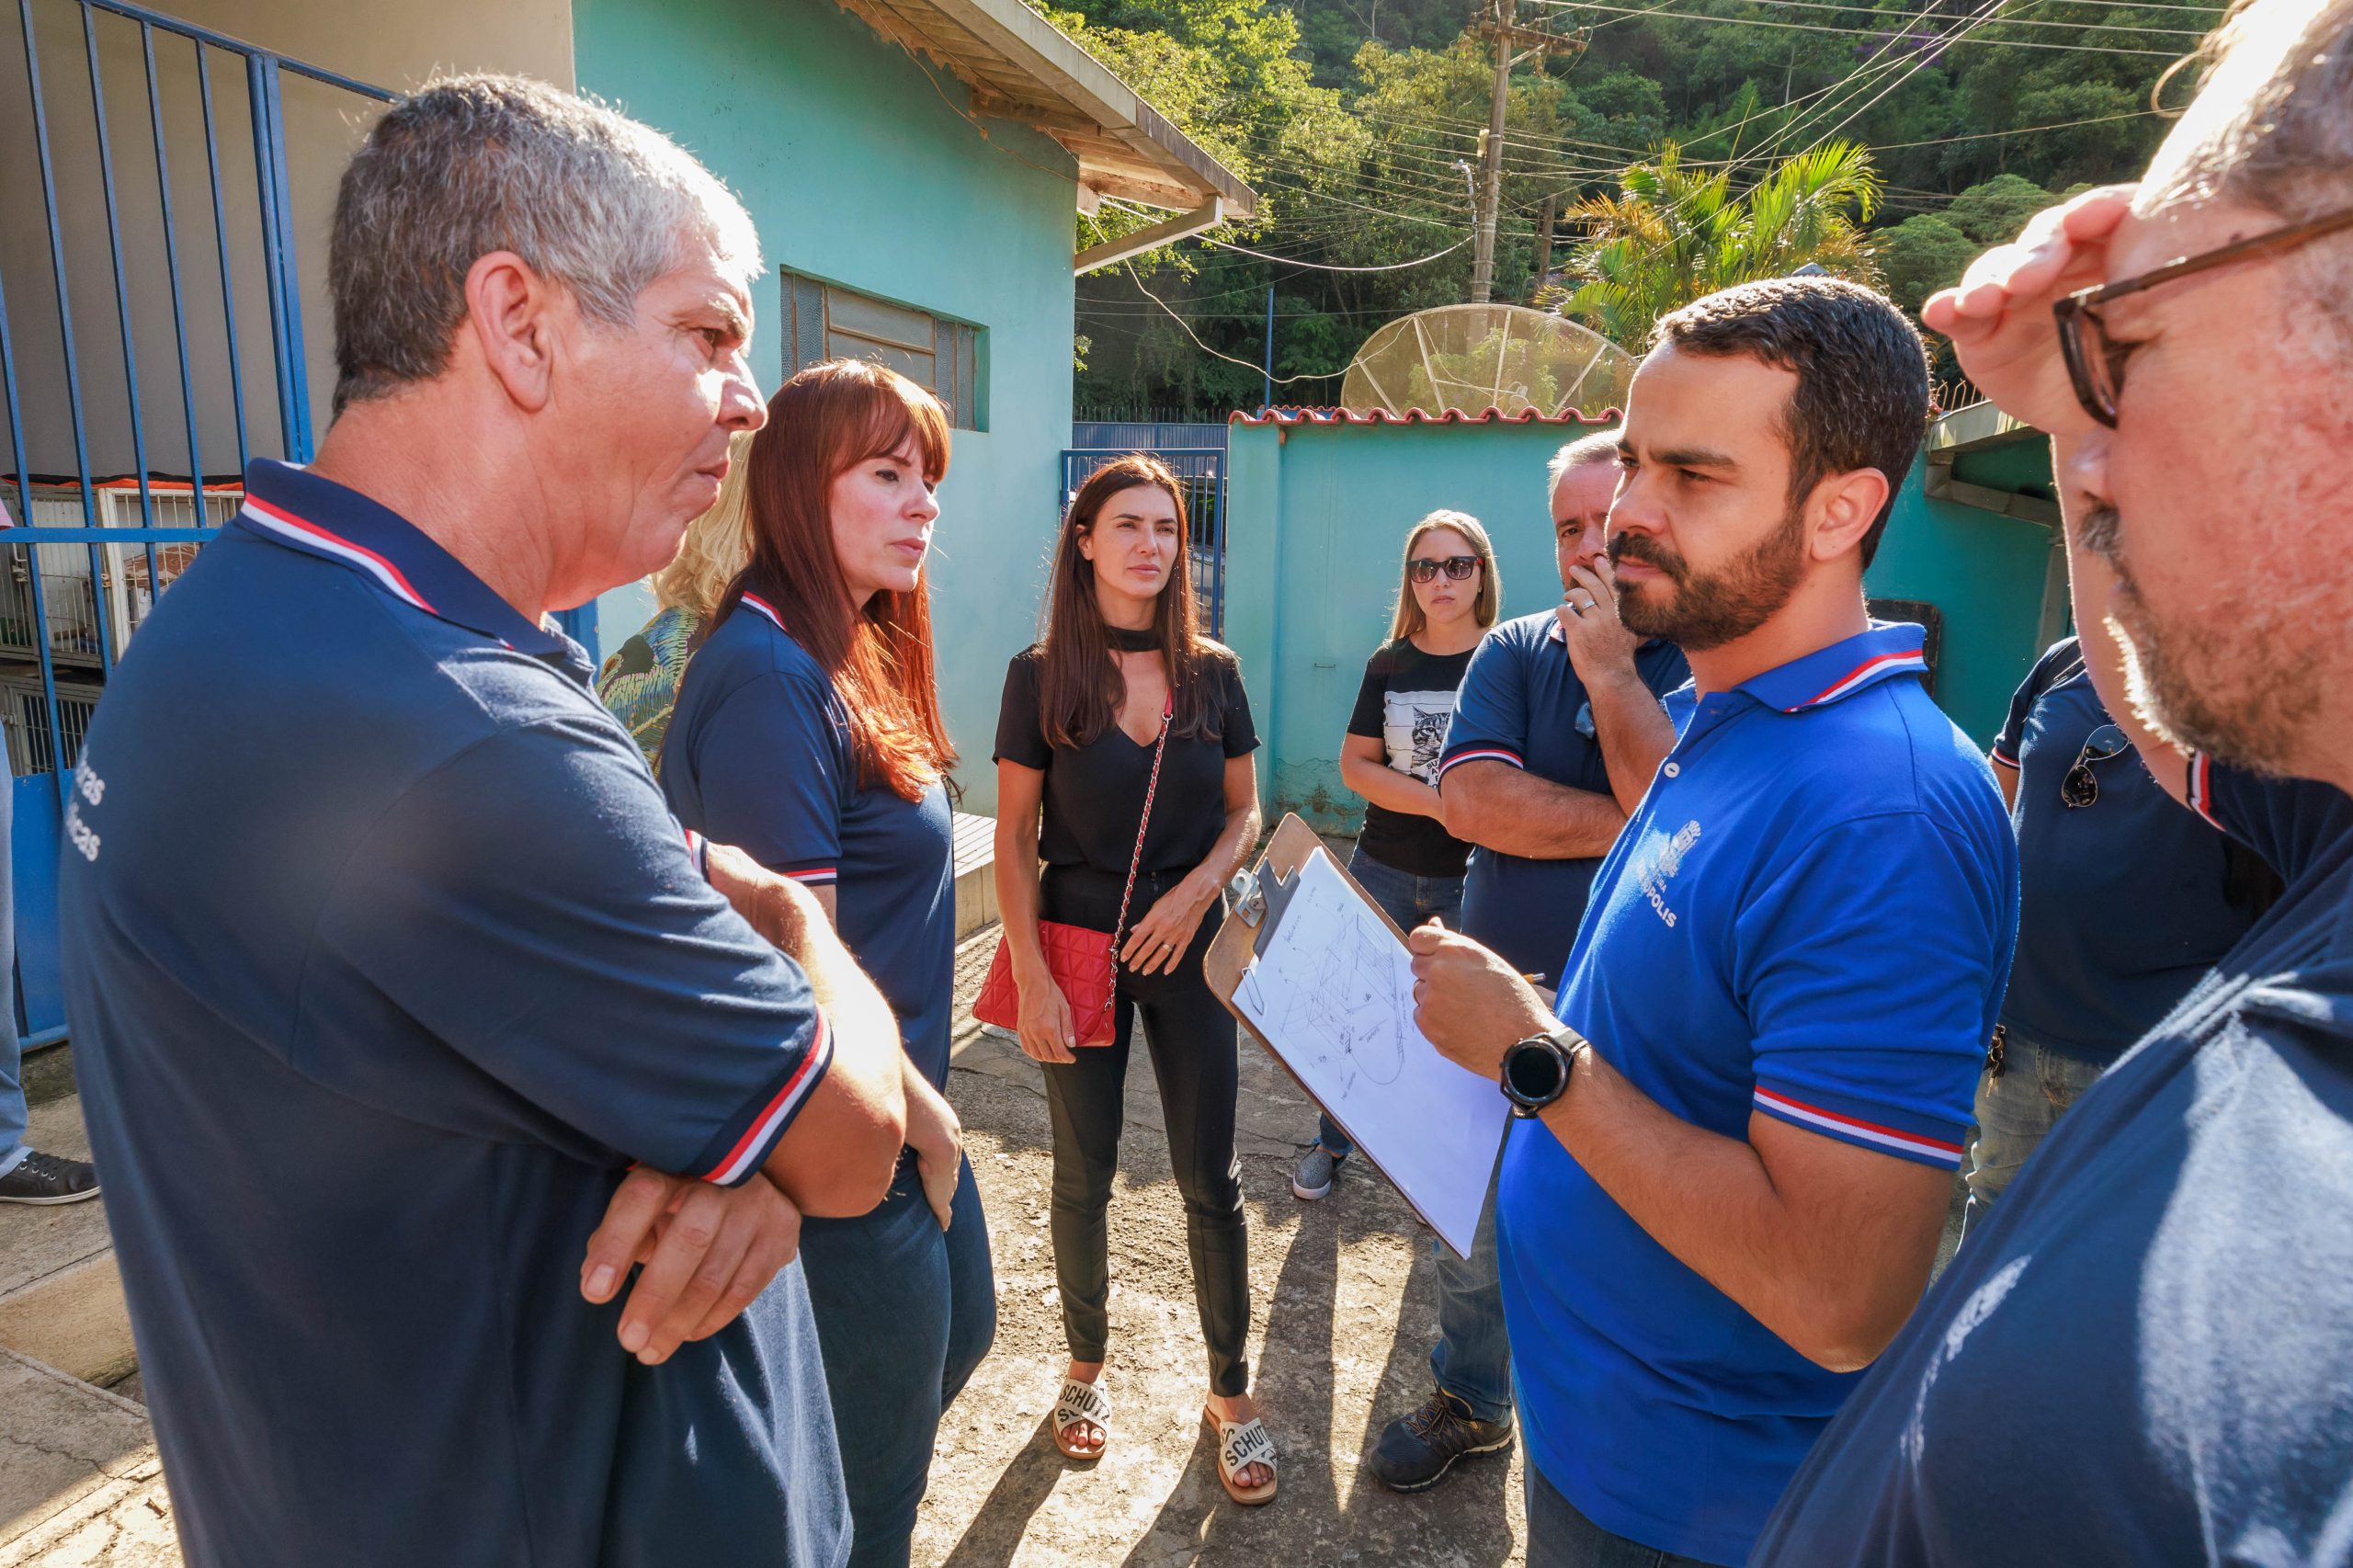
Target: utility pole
1545	245
1538	44
1270	346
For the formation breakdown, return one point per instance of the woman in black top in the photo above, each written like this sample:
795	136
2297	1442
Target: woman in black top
1082	715
1447	599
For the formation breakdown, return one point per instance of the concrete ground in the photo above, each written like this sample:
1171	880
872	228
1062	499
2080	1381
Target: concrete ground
1344	1314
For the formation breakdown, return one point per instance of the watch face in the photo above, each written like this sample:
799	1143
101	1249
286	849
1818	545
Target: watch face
1533	1072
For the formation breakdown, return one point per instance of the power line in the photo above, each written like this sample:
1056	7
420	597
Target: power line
1862	33
1187	326
2022	131
1311	265
2013	21
1992	10
1884	60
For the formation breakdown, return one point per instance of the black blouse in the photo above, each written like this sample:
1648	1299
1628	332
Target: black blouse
1094	793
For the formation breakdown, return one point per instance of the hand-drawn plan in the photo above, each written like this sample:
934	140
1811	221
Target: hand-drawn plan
1332	994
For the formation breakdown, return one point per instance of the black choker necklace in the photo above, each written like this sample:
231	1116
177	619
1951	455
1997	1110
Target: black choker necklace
1125	640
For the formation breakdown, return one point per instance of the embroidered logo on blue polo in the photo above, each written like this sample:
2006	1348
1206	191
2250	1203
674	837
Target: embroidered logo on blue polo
1664	865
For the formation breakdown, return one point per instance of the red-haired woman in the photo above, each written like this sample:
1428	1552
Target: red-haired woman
808	734
1123	682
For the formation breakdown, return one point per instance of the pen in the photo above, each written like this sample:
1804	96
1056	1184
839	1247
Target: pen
1533	979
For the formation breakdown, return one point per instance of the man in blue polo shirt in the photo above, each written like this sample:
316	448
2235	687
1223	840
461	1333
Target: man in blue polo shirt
384	959
1754	1095
1555	734
2142	1356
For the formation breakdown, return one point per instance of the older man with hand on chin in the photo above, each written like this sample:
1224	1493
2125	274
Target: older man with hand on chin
2142	1356
1749	1109
385	959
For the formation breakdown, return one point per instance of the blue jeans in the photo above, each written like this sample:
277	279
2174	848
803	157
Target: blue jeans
1561	1536
12	1086
1471	1359
2016	1112
905	1313
1408	900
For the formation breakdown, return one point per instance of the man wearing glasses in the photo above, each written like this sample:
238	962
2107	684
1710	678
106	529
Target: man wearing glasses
2142	1357
2095	837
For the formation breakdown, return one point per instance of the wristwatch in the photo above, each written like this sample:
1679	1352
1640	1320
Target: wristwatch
1536	1070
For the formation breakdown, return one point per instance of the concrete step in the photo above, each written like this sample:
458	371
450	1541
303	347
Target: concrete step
975	873
80	1483
60	1297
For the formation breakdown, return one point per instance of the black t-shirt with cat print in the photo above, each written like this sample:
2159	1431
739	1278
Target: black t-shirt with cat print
1404	703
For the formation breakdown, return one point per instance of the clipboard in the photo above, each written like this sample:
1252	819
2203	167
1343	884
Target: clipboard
1261	898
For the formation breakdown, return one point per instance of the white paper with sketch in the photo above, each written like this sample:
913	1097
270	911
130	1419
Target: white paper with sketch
1332	993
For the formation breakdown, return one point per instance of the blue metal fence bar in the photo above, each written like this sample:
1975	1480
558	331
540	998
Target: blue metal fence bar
121	280
228	277
57	269
16	412
237	45
278	251
172	259
106	536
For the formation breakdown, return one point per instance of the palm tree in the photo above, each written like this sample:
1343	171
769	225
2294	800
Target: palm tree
1673	233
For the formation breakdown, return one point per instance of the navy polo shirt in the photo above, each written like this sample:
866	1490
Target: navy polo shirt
1809	917
2086	983
383	958
1522	703
758	756
2142	1357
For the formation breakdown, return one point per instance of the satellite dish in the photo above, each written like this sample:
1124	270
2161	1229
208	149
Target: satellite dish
1474	358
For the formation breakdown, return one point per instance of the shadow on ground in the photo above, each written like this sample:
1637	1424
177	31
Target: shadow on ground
1343	1315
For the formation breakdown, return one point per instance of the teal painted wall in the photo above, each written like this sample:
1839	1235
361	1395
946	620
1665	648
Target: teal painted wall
858	170
1983	570
1316	535
1318	517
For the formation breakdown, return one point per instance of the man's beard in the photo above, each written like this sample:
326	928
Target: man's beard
2224	682
1709	609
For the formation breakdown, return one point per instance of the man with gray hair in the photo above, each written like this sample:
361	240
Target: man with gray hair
385	961
2142	1357
1555	734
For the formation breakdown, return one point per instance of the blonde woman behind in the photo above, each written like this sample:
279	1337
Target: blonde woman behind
640	682
1447	595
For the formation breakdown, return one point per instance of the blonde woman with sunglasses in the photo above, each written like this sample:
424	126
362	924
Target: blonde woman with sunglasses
1448	596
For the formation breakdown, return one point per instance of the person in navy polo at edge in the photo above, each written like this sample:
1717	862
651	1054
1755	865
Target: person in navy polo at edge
384	959
1749	1108
2142	1356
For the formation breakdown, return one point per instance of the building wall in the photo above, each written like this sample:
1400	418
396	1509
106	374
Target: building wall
861	171
394	44
1318	516
1985	571
1316	542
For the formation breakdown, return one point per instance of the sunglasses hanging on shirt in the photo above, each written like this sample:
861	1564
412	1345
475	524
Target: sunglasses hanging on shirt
2081	785
1457	568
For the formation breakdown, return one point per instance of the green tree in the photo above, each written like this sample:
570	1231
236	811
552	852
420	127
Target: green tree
1673	233
1994	212
1922	255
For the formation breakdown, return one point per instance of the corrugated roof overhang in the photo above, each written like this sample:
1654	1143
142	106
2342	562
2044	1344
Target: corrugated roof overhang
1023	69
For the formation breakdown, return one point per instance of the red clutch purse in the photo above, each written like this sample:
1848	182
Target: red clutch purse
1080	959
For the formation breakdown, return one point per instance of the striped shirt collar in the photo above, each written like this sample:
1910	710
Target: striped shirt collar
1830	675
302	511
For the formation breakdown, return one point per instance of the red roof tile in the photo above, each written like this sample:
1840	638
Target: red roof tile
1418	416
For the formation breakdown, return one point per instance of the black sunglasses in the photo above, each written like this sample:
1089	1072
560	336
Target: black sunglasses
2097	365
2081	785
1456	567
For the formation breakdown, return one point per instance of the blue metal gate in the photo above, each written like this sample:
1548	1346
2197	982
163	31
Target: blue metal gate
1201	471
96	539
